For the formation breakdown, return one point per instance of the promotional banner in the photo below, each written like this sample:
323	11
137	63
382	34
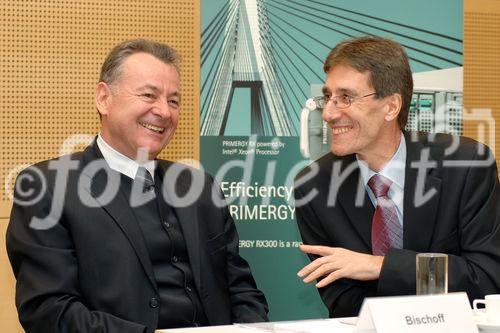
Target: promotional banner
261	65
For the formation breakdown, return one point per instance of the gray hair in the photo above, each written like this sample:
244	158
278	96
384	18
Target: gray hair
111	68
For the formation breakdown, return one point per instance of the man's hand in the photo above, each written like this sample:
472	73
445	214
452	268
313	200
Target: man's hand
336	263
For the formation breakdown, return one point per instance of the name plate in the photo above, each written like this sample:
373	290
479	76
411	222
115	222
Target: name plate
405	314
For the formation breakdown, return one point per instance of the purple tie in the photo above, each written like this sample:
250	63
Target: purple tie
387	232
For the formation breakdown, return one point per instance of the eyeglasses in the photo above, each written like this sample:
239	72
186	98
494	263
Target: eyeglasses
340	102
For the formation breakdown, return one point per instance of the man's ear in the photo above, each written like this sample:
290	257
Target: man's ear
103	97
394	104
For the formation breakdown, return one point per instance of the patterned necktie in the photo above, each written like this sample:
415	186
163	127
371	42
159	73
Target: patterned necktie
387	232
145	178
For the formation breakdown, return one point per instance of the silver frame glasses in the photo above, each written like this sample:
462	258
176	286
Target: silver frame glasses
340	101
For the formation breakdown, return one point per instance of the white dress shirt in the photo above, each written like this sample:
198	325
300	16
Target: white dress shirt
121	163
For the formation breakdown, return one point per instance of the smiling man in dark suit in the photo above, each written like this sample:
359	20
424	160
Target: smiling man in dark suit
383	194
113	239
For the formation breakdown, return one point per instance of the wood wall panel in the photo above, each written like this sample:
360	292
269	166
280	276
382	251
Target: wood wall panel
482	71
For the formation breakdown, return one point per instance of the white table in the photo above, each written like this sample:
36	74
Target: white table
338	325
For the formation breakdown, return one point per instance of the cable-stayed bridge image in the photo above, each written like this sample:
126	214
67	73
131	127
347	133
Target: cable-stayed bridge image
260	59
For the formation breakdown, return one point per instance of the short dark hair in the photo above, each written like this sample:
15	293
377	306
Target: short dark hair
384	60
111	68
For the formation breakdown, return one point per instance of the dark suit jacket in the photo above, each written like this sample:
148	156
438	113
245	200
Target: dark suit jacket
461	218
91	271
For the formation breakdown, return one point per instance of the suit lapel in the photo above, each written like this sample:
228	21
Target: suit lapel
187	216
421	194
352	196
118	208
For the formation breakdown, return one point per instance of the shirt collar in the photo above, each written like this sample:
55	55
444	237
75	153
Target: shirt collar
393	170
121	163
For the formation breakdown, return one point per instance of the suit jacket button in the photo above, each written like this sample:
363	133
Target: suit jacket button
154	302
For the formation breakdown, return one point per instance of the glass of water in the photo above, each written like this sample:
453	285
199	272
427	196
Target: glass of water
432	273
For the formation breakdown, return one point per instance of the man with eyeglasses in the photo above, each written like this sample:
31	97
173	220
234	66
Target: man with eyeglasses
384	194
